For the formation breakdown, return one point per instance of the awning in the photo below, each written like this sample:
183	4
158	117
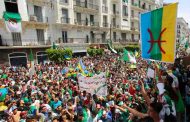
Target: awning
10	15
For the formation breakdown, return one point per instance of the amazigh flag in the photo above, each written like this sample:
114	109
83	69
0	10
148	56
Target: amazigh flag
12	21
158	34
3	93
128	56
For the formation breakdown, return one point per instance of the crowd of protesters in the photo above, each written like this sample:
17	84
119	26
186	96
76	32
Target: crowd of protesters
46	93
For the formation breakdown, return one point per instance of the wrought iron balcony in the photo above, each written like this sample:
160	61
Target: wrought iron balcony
64	1
104	9
105	24
65	20
86	5
94	24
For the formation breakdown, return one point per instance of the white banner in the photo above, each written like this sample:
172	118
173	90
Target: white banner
94	85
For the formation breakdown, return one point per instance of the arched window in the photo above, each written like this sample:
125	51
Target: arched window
41	57
18	59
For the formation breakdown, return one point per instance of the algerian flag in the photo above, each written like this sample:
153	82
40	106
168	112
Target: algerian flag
31	59
110	47
54	46
128	56
12	22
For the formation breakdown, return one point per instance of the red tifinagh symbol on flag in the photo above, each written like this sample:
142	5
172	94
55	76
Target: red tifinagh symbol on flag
159	41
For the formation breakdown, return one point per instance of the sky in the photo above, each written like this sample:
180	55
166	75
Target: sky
183	9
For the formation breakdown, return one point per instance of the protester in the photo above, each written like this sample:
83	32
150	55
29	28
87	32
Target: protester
51	92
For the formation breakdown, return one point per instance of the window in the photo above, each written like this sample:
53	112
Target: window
104	2
125	11
16	39
114	8
64	37
123	36
11	6
40	36
18	59
114	36
149	7
38	13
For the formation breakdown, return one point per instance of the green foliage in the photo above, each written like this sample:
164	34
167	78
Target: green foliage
95	52
58	55
131	47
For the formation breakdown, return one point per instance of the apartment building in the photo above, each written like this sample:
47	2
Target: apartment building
183	30
72	23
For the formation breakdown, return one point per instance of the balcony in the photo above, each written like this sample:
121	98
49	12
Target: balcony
125	14
34	18
94	24
150	1
25	42
85	7
134	18
115	26
40	2
65	20
115	12
86	23
105	25
64	2
81	22
36	22
135	6
104	9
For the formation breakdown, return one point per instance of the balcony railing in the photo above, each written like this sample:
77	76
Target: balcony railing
86	5
65	20
39	19
105	24
64	1
115	12
86	23
24	42
115	26
81	22
92	6
104	9
94	24
125	14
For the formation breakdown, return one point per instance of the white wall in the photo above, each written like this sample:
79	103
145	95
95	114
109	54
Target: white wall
2	8
29	37
22	8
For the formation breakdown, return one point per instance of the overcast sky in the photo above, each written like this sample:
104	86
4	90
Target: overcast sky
183	9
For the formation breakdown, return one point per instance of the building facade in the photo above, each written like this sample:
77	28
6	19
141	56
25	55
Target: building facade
73	23
182	29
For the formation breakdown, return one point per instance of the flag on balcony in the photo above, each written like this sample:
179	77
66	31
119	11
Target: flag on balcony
12	22
158	34
128	56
